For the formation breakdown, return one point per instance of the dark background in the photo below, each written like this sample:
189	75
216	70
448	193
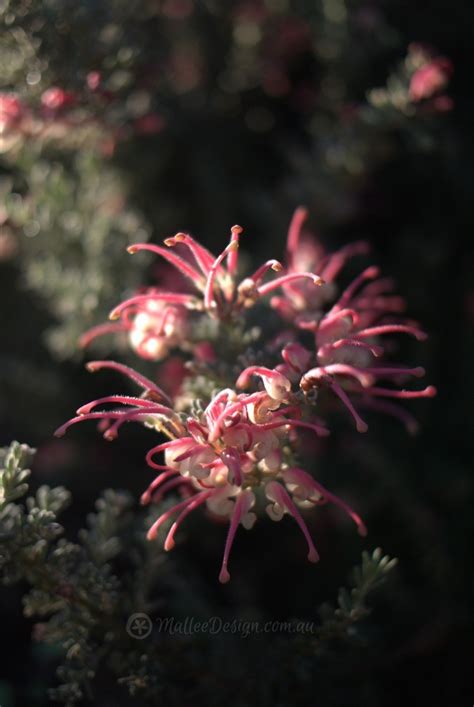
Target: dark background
206	170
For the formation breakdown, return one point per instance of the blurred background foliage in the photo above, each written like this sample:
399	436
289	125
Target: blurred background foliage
128	120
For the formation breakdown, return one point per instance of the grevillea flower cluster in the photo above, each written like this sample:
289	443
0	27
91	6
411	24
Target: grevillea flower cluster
58	114
235	450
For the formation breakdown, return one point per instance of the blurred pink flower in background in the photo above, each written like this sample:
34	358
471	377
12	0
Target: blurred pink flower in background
11	111
430	79
56	99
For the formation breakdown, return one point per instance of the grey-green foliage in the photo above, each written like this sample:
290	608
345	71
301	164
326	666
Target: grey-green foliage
352	601
13	474
83	592
73	228
72	585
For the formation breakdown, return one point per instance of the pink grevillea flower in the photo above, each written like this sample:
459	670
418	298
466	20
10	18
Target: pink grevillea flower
11	111
430	79
348	337
157	319
55	99
305	253
214	278
154	327
93	80
347	355
233	458
349	343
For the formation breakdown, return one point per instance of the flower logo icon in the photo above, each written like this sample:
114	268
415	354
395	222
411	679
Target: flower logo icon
139	626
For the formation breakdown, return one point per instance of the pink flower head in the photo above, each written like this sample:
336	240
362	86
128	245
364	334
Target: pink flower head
348	336
233	449
304	252
218	293
154	327
157	318
227	458
55	99
348	342
430	79
93	80
11	111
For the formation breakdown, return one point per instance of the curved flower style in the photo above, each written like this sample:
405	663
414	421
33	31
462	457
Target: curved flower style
156	319
230	457
219	294
348	337
234	450
348	342
300	302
